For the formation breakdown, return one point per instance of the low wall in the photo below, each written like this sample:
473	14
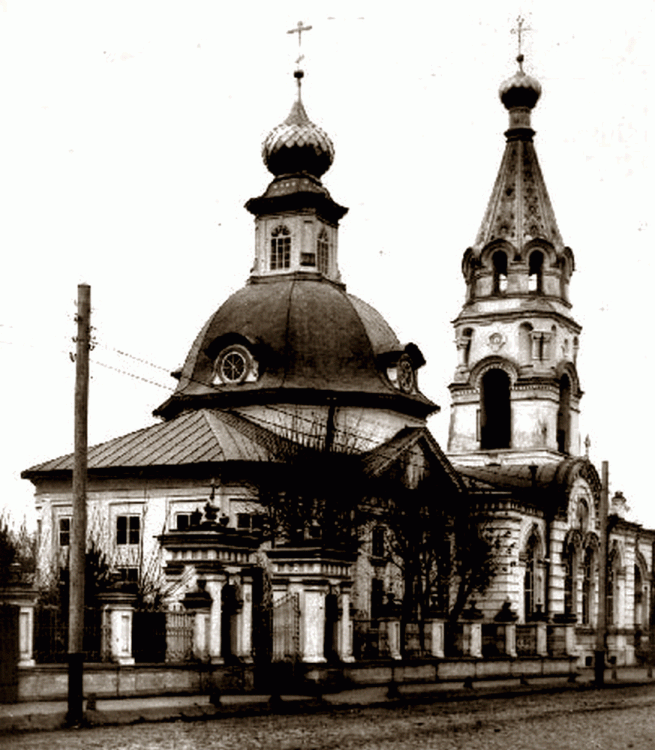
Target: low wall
447	670
50	682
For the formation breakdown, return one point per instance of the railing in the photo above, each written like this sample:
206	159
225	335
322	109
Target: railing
51	635
526	640
454	639
493	639
369	642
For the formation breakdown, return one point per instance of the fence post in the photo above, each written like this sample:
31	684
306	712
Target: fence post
437	648
473	639
118	609
542	638
392	627
244	620
345	632
313	624
510	639
214	587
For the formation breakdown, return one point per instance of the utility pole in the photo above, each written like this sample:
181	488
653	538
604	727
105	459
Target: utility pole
601	625
78	523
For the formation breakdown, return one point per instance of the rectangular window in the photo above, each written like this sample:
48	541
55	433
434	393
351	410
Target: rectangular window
243	520
64	532
128	529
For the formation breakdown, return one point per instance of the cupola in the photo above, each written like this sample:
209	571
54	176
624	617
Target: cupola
296	219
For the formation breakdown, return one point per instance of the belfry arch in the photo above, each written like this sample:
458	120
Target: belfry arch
495	410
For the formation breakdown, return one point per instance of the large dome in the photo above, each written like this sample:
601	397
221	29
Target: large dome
301	339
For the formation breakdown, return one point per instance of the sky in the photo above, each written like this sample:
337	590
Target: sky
131	137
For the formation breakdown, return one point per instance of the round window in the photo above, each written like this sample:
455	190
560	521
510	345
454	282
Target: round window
233	364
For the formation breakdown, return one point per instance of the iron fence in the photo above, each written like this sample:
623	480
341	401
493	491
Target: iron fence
51	635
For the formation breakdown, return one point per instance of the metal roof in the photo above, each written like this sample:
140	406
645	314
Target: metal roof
203	436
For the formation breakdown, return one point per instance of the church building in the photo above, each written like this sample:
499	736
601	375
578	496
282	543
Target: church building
294	359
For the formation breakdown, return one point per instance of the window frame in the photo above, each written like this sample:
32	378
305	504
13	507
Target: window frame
130	535
280	248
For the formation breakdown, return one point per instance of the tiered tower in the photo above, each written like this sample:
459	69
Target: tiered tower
516	392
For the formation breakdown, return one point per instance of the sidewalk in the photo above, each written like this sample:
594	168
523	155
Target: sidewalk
48	715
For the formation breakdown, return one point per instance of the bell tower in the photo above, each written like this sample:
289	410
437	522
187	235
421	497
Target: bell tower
515	395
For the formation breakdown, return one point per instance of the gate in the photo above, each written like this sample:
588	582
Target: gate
9	653
179	636
286	628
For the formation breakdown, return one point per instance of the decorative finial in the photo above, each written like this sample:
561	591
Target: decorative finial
299	30
519	33
587	445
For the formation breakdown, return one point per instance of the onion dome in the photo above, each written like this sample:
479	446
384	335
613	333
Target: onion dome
521	90
297	145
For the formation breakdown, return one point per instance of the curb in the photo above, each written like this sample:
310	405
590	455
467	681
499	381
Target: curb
36	722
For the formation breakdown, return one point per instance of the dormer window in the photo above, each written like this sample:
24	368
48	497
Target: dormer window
323	251
500	272
280	248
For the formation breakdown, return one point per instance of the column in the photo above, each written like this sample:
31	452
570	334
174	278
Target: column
313	625
345	632
215	588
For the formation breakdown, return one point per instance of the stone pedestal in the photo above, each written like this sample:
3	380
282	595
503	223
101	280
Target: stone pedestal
117	614
24	597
